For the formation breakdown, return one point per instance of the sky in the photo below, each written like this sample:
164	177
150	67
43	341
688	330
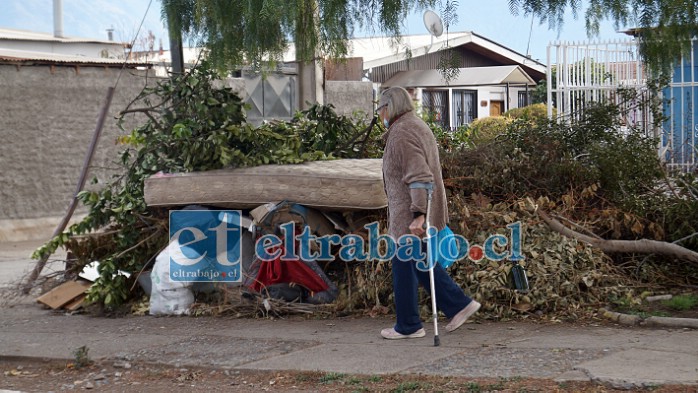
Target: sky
92	18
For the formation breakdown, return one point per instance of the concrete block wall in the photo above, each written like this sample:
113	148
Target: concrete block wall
48	114
47	117
350	96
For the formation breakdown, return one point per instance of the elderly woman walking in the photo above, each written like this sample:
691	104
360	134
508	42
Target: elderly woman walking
411	158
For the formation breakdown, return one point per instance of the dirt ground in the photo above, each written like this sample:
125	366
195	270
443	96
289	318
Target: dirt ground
119	376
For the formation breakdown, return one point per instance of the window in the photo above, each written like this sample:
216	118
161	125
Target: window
525	98
464	107
435	104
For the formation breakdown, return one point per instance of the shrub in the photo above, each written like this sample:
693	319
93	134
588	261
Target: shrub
487	128
551	159
448	140
537	113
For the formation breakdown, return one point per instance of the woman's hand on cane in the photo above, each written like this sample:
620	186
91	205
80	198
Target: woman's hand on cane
418	227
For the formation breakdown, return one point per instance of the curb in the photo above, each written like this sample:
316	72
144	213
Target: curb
636	320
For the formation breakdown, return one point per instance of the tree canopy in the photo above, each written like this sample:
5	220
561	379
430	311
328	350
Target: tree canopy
249	32
663	26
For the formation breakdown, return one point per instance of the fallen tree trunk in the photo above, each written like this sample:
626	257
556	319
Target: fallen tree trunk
642	246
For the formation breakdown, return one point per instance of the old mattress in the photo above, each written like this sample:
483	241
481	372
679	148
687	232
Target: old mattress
335	184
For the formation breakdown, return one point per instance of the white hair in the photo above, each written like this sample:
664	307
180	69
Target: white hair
397	100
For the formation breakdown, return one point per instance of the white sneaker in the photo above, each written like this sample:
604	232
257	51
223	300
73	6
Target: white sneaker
463	316
391	334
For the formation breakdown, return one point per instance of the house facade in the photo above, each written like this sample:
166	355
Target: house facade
472	93
490	78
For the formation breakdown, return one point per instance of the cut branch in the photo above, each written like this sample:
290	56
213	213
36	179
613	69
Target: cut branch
139	110
81	183
574	224
642	246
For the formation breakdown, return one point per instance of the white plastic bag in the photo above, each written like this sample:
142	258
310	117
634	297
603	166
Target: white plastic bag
168	297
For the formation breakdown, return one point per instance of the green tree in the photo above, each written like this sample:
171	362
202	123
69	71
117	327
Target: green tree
255	31
663	26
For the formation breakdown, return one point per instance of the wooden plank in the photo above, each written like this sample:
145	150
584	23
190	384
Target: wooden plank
63	293
76	303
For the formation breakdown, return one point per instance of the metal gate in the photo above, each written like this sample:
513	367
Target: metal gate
586	72
271	96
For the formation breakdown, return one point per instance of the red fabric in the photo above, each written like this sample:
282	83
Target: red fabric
295	271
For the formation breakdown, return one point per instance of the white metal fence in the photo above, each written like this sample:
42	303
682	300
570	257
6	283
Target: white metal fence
581	73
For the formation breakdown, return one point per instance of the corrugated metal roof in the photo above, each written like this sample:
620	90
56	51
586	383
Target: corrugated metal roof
23	56
25	35
473	76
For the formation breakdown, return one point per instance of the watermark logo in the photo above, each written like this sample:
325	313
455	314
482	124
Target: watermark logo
408	248
205	246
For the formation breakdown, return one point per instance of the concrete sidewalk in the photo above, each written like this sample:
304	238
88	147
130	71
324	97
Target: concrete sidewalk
618	357
16	261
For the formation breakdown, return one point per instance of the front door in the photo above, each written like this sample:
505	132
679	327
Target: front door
496	108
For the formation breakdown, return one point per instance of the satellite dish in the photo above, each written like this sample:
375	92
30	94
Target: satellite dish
433	23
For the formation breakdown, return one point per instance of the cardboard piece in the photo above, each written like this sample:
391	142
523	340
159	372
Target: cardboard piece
64	293
75	303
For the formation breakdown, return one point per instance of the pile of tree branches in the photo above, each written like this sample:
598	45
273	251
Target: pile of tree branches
606	185
193	123
575	188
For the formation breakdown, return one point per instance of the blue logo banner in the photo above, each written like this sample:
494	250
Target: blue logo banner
205	246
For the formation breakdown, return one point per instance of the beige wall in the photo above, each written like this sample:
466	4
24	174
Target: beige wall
47	118
348	96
